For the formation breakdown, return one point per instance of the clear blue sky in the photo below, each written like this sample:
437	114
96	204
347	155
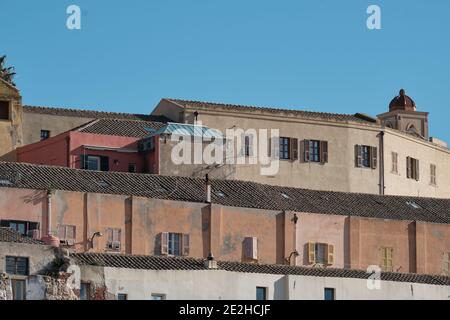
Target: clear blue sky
314	55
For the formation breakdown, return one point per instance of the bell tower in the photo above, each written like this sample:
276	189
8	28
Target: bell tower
403	116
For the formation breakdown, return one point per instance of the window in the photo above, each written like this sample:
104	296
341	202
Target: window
320	253
412	168
114	237
18	289
315	151
330	294
261	293
132	168
394	162
4	110
247	146
122	296
285	148
66	234
85	291
366	156
433	174
25	228
95	163
16	265
175	244
446	263
158	296
386	259
45	134
251	248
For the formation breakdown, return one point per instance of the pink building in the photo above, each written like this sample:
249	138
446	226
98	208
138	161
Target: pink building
100	145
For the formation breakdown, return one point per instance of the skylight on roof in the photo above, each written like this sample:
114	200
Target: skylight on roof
413	205
220	194
285	195
5	182
103	184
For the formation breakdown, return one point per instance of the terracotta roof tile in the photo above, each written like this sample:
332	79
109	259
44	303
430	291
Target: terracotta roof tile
273	110
121	127
237	193
67	112
10	235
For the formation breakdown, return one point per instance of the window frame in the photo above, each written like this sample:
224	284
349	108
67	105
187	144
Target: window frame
162	296
9	110
174	245
433	170
134	166
285	148
394	168
16	268
446	263
122	295
265	293
23	283
315	151
329	290
46	135
385	259
97	159
63	236
87	290
114	238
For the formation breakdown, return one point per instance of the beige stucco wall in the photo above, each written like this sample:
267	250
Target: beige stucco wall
340	173
33	123
427	154
10	130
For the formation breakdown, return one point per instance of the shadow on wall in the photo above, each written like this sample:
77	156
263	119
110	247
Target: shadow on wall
9	157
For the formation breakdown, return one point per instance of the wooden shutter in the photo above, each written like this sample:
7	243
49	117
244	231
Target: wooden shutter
311	252
358	157
330	254
294	148
185	243
276	148
165	243
250	145
374	157
269	147
104	163
416	169
323	151
306	150
408	167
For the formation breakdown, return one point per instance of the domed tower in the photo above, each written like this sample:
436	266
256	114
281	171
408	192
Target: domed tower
403	116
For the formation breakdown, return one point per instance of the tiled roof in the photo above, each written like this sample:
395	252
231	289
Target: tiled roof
10	235
273	110
225	192
121	127
67	112
178	263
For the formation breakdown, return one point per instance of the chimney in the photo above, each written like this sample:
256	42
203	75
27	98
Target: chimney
208	190
210	263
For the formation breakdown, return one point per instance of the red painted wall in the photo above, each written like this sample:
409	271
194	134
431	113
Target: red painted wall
55	150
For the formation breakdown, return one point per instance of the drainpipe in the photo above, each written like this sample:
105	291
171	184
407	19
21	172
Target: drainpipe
49	239
381	184
208	189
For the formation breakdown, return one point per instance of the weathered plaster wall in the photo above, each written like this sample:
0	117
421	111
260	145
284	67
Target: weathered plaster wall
10	130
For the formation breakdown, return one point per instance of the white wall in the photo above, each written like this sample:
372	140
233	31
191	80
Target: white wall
219	284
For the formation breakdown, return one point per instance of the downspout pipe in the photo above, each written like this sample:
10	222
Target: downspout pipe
382	181
49	239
